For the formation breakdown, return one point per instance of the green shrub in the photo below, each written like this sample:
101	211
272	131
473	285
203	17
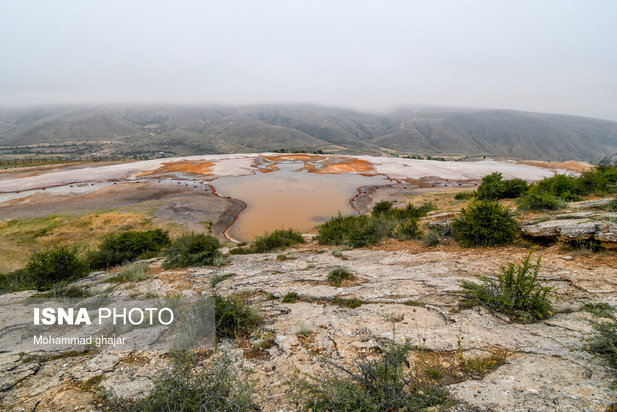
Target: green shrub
290	297
491	187
276	240
465	195
45	270
193	249
355	231
337	275
513	188
515	291
350	303
359	231
494	187
217	388
127	246
485	223
433	238
373	385
381	207
234	317
408	230
536	200
132	273
604	341
401	213
562	186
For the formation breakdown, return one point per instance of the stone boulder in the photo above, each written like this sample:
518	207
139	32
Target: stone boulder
574	227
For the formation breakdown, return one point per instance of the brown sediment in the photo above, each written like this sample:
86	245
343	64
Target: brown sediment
347	166
570	165
182	166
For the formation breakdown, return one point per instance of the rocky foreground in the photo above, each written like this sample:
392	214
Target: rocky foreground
543	365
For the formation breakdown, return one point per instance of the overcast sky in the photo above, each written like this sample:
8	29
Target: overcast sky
540	55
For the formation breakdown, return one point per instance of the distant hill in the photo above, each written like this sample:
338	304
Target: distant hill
185	130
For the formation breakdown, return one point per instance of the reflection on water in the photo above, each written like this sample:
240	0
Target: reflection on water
289	198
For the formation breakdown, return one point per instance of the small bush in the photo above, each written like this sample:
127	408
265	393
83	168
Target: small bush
359	231
354	231
303	329
379	385
562	186
536	200
433	238
485	223
68	292
465	195
612	206
408	230
515	291
337	275
127	246
290	297
278	239
132	273
381	207
194	249
217	388
513	188
493	187
350	303
216	279
604	340
234	317
45	270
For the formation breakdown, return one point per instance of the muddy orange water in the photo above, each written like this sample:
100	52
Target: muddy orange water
289	198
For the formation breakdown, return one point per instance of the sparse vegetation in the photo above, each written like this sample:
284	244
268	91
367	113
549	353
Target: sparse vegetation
408	230
119	248
216	388
373	385
70	292
604	341
465	195
194	249
350	303
278	239
384	221
536	200
131	273
485	223
515	291
551	193
337	275
216	279
234	316
435	237
290	297
303	329
269	242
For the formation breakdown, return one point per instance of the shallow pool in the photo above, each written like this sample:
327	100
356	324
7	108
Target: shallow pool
289	198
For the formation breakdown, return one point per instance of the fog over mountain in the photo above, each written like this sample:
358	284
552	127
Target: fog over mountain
186	130
550	56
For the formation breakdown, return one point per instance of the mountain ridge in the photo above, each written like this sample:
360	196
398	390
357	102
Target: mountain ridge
183	130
